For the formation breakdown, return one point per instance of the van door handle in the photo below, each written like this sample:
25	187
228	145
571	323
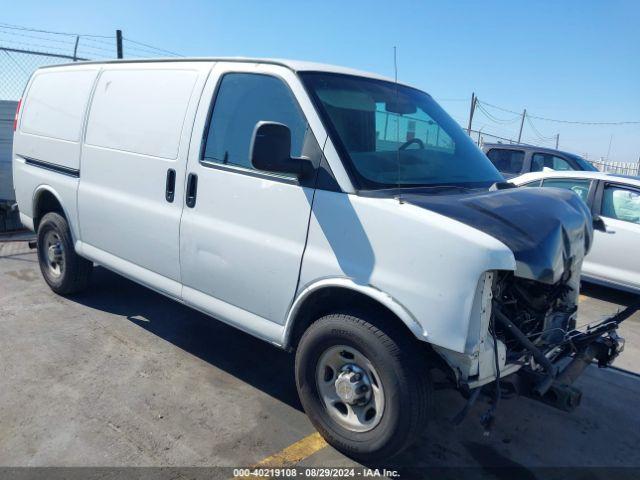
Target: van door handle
192	190
170	188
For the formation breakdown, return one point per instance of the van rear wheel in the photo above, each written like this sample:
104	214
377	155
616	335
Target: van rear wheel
365	388
62	268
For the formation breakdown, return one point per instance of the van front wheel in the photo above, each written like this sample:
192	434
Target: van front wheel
62	268
366	388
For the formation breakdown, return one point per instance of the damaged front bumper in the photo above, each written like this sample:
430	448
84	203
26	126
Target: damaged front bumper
550	375
547	376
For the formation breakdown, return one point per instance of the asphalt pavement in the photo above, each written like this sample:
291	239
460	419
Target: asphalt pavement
121	376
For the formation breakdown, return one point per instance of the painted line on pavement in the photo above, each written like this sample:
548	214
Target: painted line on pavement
292	455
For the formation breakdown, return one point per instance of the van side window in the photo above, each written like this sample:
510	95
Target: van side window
507	161
243	100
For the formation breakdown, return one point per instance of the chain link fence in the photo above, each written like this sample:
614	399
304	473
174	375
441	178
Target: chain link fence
16	66
23	50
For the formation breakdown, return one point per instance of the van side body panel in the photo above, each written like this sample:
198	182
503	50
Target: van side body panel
425	262
138	129
41	160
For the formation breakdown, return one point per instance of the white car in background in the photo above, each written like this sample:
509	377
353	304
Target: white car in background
614	259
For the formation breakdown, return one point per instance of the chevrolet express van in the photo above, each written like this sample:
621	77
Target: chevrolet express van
330	212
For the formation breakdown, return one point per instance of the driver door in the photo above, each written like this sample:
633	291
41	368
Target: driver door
243	231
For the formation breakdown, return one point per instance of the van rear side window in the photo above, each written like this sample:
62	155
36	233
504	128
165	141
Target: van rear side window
56	103
140	111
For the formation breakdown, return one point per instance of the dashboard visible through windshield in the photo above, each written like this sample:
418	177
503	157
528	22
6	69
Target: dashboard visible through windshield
393	136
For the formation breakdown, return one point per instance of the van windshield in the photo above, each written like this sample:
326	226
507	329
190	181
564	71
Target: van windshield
393	136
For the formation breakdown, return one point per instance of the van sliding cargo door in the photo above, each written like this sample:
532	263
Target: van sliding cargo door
133	168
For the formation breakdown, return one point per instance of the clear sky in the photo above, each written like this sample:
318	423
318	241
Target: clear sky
574	60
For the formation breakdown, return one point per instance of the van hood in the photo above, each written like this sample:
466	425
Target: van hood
548	229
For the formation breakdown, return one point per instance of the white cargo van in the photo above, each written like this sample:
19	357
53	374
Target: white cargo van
327	211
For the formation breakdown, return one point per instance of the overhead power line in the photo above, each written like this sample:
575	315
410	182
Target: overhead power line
8	31
154	48
537	133
503	121
28	29
547	119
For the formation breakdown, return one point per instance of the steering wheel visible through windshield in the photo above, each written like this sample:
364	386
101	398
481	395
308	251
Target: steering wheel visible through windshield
393	136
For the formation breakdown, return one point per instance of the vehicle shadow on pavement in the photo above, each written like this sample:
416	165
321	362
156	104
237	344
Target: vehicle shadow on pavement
527	436
247	358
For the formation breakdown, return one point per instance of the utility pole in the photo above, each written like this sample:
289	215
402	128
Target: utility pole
75	49
119	43
609	149
557	140
474	100
524	114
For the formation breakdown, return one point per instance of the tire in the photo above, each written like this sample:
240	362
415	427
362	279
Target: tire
62	268
394	362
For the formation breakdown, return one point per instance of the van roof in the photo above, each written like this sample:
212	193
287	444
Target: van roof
294	65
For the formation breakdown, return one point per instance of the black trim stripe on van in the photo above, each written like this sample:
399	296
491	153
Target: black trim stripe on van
72	172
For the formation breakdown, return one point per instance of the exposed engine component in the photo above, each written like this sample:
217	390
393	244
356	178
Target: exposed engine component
543	313
537	324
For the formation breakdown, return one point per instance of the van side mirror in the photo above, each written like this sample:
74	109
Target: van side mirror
271	150
598	223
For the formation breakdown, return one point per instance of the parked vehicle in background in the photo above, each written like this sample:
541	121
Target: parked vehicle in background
327	211
614	259
9	219
513	160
